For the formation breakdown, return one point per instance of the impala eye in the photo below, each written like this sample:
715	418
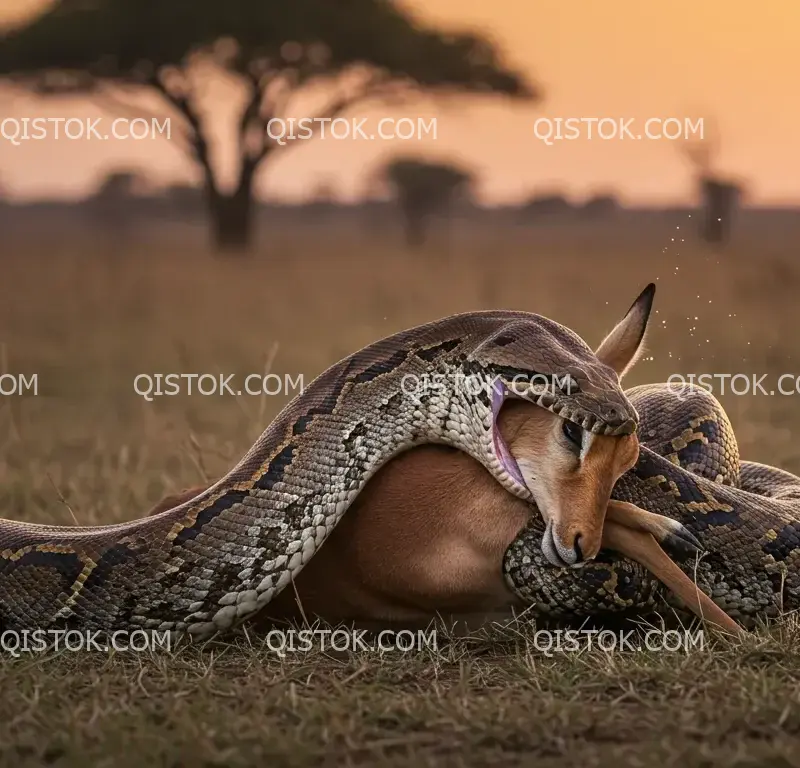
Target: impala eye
573	433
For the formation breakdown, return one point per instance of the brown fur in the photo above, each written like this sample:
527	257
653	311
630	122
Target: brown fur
428	533
572	491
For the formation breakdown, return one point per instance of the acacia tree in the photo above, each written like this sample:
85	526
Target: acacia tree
280	52
423	188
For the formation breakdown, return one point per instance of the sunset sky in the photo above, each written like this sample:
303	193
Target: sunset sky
734	64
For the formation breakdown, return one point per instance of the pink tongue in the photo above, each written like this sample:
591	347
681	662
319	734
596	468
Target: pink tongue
509	463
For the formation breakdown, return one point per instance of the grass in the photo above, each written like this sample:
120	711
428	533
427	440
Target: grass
489	699
87	319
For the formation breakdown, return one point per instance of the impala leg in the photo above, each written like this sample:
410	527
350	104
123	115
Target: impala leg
642	547
675	538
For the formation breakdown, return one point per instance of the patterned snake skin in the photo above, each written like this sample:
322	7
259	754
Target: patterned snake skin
219	558
744	514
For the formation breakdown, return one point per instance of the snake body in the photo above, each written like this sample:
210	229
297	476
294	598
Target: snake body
745	515
220	557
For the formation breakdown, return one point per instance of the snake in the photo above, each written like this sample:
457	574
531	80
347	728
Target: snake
744	514
216	560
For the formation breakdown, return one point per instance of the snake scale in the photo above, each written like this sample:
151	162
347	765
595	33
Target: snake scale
745	515
217	559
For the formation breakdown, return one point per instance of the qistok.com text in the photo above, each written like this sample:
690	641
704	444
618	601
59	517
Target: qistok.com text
523	385
564	641
17	643
284	642
152	385
738	384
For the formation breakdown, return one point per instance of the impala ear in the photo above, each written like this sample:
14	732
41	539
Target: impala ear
623	346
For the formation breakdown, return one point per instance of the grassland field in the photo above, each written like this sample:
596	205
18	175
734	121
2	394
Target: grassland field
87	314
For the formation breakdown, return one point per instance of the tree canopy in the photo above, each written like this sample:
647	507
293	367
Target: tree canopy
132	42
423	188
362	49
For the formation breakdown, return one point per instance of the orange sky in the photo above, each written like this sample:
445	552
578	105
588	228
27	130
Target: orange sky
735	64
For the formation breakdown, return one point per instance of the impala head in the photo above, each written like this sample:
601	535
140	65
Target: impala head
569	450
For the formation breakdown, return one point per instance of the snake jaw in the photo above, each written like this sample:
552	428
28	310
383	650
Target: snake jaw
502	452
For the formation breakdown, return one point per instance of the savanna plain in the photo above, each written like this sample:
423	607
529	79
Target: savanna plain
87	314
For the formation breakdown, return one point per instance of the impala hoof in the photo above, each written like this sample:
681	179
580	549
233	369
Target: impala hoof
681	544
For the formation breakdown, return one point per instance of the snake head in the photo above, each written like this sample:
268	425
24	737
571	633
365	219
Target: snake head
569	451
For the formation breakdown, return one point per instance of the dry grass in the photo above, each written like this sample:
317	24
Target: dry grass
492	699
87	320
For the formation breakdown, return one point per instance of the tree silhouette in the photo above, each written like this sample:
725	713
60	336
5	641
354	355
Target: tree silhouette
113	205
119	186
422	189
359	50
600	206
720	200
546	205
720	196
